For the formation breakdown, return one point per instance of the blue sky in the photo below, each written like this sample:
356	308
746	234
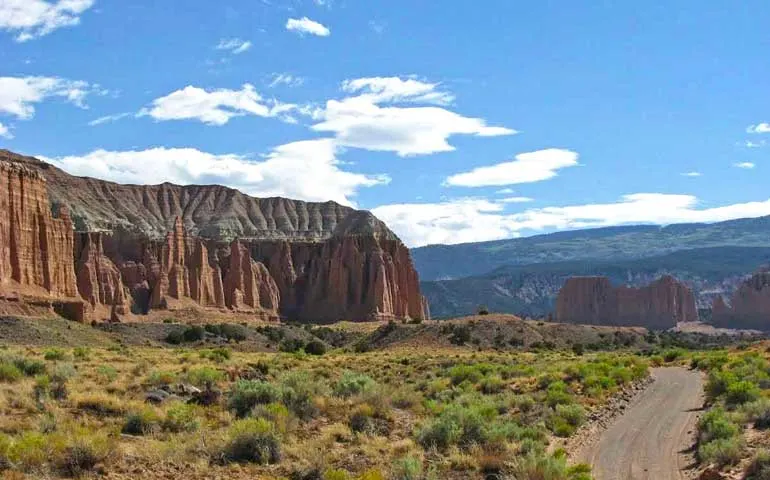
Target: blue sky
475	121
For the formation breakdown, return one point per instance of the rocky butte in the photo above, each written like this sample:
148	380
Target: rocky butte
595	301
749	306
96	250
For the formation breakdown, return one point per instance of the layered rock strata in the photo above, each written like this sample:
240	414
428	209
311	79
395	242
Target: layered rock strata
595	301
147	248
749	307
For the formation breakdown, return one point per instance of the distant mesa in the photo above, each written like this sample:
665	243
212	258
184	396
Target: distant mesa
595	301
749	307
113	252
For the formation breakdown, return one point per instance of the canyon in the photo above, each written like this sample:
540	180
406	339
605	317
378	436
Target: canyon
93	250
749	306
595	301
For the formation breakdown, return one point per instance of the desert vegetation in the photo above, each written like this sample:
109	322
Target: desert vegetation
205	406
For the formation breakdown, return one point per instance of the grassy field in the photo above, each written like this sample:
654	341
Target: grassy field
338	403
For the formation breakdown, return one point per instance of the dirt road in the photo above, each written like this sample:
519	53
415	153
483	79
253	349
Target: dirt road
647	441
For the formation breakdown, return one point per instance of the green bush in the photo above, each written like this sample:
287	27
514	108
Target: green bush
9	373
194	333
246	394
407	468
352	383
537	465
55	354
180	417
298	391
204	376
174	337
722	451
742	392
29	367
252	440
715	425
143	422
218	355
81	353
107	372
291	345
315	347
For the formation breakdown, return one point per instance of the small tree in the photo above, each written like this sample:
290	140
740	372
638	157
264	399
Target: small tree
482	310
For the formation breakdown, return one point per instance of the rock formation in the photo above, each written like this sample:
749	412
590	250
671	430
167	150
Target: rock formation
594	301
144	248
749	307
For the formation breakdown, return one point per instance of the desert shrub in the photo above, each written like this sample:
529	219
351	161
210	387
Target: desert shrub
365	419
578	349
180	417
29	366
174	337
277	414
758	412
407	468
672	355
55	354
742	392
230	331
252	440
759	468
246	394
159	378
491	384
298	391
557	394
101	404
482	310
107	372
722	451
9	373
335	474
352	383
82	454
291	345
143	422
462	373
81	353
718	383
405	398
458	425
715	425
218	355
315	347
537	465
204	376
193	333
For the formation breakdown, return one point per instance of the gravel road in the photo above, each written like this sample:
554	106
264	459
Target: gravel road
647	442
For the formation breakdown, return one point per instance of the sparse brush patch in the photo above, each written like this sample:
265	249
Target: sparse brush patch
218	355
759	468
107	373
55	354
9	373
407	468
204	376
143	422
246	394
159	378
101	404
722	451
181	417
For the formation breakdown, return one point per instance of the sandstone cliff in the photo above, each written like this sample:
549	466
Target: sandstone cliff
594	301
749	306
143	248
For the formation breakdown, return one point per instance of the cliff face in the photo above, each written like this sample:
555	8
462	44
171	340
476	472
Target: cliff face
749	307
167	247
36	249
594	301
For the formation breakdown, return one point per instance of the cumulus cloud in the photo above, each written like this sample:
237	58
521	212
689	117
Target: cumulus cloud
744	165
18	95
374	118
307	170
31	19
286	79
5	132
305	25
468	220
233	45
763	127
215	107
752	144
515	200
526	168
692	174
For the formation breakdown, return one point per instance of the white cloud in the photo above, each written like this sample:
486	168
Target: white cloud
5	132
305	25
515	200
468	220
692	174
215	107
35	18
286	79
526	168
307	170
233	45
744	165
505	191
18	95
752	144
377	27
370	120
759	128
109	119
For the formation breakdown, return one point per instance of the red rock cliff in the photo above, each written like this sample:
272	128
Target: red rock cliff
594	301
168	246
749	307
36	249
